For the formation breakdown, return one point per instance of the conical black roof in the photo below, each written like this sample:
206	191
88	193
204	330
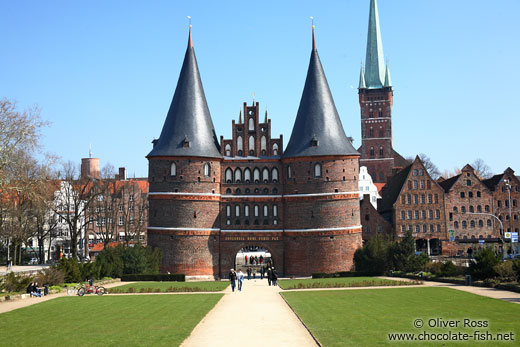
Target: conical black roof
188	129
317	130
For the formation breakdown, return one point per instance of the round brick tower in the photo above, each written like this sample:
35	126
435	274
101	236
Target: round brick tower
184	178
320	173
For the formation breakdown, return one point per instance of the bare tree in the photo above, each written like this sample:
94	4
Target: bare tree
432	169
134	209
75	196
482	170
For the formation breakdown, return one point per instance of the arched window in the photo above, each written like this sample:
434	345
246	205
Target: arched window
251	124
471	209
246	210
472	224
289	173
265	175
228	150
317	170
207	170
371	132
228	211
456	224
464	224
478	194
455	209
247	175
256	175
275	149
228	191
275	191
372	152
274	174
381	151
238	191
229	175
173	169
489	222
256	208
263	143
238	175
237	211
463	209
251	145
266	210
275	210
486	208
479	208
240	144
480	223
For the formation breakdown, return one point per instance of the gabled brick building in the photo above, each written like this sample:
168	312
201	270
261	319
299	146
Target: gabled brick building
413	201
209	200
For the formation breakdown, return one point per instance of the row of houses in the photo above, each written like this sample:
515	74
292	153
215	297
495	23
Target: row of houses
446	216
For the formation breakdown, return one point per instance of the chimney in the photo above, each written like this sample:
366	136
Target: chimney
90	168
122	173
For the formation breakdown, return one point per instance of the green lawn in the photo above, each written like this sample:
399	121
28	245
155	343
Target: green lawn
366	317
340	282
137	320
154	287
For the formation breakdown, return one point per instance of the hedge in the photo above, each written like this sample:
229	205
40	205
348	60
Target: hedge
343	274
154	277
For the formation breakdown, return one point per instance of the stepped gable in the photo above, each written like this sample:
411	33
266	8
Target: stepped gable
188	129
317	130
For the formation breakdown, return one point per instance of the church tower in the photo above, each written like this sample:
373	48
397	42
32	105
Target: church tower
375	100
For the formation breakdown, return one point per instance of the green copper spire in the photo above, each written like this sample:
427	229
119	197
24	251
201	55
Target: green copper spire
388	82
374	64
362	84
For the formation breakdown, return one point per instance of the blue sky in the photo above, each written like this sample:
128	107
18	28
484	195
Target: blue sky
104	72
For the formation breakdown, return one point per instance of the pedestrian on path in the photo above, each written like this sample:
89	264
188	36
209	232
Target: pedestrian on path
232	279
269	275
248	273
274	276
240	277
262	272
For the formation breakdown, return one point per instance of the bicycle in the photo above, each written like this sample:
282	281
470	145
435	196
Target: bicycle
91	289
72	290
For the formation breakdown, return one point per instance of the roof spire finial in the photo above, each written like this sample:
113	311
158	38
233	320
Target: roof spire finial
265	115
240	117
313	39
90	151
190	41
253	93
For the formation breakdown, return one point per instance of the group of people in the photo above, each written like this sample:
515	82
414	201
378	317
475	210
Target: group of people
237	278
34	290
254	260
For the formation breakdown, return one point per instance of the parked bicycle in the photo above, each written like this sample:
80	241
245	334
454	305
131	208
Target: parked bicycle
90	288
73	290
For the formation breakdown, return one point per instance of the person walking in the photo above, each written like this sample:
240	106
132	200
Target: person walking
248	273
274	276
240	277
232	279
269	275
262	272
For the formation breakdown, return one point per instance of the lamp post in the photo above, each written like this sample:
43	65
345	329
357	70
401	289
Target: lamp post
501	230
508	187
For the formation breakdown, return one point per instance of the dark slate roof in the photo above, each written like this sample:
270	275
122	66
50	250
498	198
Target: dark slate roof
317	119
392	189
399	161
447	184
188	119
492	182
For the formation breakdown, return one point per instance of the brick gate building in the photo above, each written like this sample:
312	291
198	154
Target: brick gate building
208	200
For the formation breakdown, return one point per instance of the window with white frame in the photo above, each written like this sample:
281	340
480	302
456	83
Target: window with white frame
173	169
121	221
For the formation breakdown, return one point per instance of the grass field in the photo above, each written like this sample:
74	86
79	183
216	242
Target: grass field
340	282
155	287
366	317
137	320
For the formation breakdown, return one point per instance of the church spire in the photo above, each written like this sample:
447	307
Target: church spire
317	130
188	129
362	78
388	82
374	64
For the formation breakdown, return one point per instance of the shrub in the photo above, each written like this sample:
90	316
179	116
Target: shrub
51	276
70	268
448	269
516	269
17	282
89	270
154	277
433	267
483	267
505	271
118	261
373	256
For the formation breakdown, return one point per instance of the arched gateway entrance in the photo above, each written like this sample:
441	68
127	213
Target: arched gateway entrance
253	258
233	250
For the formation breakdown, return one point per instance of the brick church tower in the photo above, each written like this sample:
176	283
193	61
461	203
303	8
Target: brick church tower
375	100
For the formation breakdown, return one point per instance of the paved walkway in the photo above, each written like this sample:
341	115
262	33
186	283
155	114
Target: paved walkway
257	316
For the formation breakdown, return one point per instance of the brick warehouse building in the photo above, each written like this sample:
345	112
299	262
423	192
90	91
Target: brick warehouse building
207	200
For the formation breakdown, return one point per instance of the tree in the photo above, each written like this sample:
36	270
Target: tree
75	196
373	256
133	208
485	261
482	170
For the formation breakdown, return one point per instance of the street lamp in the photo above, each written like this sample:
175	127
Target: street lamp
508	187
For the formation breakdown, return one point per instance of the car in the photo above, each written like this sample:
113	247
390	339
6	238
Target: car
33	261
